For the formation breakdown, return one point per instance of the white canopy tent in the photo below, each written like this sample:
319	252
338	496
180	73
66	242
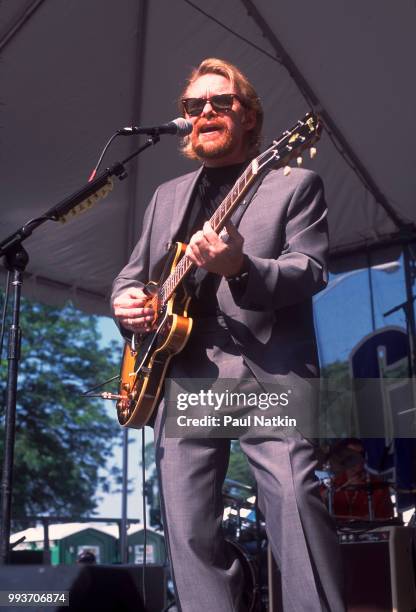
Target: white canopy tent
74	71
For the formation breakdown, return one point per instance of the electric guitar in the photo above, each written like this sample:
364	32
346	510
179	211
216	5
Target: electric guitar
146	358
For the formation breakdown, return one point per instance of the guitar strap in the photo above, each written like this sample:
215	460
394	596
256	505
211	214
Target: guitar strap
239	212
236	217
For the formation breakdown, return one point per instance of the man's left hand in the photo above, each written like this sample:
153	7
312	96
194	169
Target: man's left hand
206	249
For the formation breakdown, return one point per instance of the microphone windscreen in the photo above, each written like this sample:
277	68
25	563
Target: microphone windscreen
183	126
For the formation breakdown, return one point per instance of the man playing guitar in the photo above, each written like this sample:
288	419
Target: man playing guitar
252	317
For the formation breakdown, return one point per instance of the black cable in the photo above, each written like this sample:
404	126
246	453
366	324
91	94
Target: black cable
3	317
144	519
88	391
233	32
275	58
103	152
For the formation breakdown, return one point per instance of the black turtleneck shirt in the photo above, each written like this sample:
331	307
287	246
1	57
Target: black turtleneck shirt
213	186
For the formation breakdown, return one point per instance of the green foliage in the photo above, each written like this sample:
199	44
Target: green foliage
149	457
238	468
336	402
63	440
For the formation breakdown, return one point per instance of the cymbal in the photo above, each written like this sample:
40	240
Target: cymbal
236	493
232	500
228	482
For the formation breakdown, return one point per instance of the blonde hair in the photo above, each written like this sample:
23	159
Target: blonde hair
244	89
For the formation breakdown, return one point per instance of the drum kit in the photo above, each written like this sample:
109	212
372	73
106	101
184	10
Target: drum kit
246	540
245	535
352	495
350	492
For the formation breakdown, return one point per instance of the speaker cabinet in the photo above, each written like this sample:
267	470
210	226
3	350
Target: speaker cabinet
108	588
380	570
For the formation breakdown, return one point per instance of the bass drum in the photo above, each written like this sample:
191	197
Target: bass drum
251	595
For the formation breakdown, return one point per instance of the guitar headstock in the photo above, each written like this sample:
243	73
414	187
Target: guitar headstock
291	144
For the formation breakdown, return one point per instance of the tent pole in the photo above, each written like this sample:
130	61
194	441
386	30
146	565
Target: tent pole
19	23
409	274
371	289
332	129
16	261
136	113
124	492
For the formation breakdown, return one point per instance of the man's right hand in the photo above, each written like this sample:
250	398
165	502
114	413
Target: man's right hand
131	311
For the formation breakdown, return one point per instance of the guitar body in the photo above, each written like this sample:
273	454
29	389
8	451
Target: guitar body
146	359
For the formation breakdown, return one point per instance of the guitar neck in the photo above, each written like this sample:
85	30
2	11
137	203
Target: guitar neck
217	222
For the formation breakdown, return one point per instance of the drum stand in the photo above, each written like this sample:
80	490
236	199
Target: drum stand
328	482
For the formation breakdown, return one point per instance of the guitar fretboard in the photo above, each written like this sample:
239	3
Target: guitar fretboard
217	221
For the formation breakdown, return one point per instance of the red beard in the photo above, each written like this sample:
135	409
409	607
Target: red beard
211	147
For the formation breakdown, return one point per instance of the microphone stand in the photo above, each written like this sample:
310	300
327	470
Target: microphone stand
16	261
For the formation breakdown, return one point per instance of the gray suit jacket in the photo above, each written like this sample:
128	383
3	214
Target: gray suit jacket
286	240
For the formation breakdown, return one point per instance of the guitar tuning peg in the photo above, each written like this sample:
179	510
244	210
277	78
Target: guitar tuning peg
312	152
287	170
299	160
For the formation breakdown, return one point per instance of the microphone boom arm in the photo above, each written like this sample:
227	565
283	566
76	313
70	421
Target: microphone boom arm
85	197
16	260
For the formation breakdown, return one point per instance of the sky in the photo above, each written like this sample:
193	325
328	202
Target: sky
343	310
110	506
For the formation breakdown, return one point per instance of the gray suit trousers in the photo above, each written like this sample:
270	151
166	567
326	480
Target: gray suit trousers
191	471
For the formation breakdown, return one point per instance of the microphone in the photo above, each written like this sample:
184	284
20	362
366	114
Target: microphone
179	127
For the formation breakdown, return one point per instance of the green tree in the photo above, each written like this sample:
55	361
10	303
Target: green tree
336	406
63	440
238	468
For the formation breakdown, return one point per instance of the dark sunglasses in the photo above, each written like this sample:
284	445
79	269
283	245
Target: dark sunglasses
220	103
